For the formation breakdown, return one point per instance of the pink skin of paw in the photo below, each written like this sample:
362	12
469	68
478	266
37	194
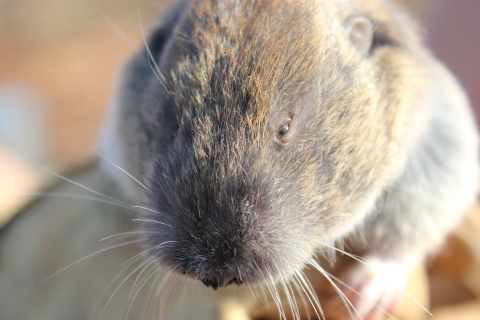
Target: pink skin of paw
374	289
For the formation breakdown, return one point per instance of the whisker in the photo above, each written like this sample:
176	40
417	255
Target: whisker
290	298
278	301
151	59
294	304
118	167
135	292
360	295
149	304
120	285
250	287
260	292
302	293
417	302
153	248
156	271
276	296
109	285
340	292
260	273
153	221
141	286
123	234
173	285
79	184
162	301
76	196
239	273
89	256
355	257
263	294
310	293
306	293
114	26
149	209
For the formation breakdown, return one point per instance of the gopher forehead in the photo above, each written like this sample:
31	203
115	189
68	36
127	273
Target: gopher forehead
241	58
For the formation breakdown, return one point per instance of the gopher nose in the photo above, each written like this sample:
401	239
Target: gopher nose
221	282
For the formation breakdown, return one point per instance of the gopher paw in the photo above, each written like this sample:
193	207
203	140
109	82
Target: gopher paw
374	289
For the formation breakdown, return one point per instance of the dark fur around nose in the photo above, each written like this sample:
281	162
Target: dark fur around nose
212	217
216	262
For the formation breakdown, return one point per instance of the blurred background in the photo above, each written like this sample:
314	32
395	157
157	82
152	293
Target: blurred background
59	60
58	64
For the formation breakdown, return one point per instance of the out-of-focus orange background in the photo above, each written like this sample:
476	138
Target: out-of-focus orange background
58	64
66	53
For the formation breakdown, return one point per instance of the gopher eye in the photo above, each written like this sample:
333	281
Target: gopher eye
284	129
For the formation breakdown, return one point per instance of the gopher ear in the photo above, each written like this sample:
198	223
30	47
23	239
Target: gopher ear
360	33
